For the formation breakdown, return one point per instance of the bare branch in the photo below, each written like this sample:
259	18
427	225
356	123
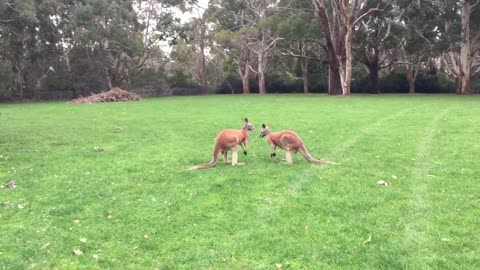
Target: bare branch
368	12
474	5
252	69
292	54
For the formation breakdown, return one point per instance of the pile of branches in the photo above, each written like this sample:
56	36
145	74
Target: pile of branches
114	95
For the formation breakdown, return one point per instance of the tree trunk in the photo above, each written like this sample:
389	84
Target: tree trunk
246	83
334	48
245	75
203	76
334	84
347	80
373	78
262	88
409	73
230	86
108	78
465	86
19	81
261	83
304	66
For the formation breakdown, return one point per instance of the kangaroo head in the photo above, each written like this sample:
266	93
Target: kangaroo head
248	125
265	130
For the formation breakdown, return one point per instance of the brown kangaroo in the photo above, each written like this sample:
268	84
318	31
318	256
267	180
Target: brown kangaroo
229	139
290	142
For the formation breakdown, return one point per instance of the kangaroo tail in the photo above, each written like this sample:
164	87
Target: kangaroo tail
309	157
210	164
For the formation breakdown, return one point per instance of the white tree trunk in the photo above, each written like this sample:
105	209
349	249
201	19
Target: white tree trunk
346	82
464	76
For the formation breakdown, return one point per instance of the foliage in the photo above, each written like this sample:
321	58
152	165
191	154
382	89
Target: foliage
80	47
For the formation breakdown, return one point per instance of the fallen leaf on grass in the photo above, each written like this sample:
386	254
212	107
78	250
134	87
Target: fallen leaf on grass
20	206
45	246
76	221
83	240
95	256
98	148
12	184
369	239
77	252
279	266
445	239
383	183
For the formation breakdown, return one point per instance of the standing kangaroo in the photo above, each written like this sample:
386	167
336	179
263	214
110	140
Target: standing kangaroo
290	142
229	139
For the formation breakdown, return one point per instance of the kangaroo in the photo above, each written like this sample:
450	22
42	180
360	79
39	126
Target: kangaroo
229	139
290	142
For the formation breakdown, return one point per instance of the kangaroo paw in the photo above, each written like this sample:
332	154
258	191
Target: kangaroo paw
273	154
245	152
238	164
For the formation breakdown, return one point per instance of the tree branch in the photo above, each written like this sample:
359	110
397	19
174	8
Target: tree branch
368	12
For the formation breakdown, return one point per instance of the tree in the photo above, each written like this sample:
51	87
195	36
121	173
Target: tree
264	40
302	41
231	18
461	57
18	38
376	43
338	20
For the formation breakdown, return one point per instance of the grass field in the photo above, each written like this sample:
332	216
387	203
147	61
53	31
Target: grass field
134	206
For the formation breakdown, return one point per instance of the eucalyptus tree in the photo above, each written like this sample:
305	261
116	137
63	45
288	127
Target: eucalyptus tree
461	37
417	40
231	19
19	38
375	40
264	38
338	20
302	38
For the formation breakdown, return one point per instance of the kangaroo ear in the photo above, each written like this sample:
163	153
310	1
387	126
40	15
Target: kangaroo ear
263	125
246	120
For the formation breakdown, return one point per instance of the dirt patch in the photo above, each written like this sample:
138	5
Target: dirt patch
114	95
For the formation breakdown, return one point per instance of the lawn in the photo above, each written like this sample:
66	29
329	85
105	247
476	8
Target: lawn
134	205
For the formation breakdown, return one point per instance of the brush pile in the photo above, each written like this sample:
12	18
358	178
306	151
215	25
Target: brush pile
114	95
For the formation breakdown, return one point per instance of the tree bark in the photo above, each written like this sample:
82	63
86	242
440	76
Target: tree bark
203	76
262	66
304	66
464	77
19	80
410	78
108	78
348	61
246	79
373	79
262	89
334	84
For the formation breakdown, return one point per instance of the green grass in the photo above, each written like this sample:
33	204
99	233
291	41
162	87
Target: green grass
139	208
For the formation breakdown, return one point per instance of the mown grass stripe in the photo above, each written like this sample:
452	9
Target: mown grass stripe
418	226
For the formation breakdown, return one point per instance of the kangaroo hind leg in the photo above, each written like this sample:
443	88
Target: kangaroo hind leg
235	156
288	157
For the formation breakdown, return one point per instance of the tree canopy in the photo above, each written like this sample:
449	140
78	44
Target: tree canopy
231	46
